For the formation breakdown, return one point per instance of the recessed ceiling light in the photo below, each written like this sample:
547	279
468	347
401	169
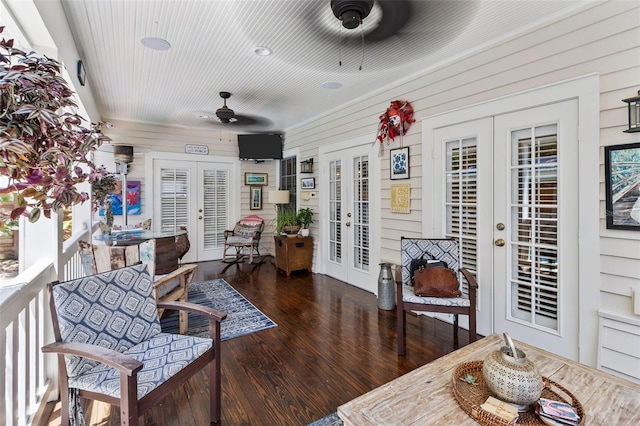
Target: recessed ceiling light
332	85
203	116
262	51
155	43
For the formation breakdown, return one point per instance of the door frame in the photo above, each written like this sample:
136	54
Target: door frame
362	141
586	90
234	178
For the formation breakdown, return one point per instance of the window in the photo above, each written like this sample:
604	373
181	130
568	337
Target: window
288	179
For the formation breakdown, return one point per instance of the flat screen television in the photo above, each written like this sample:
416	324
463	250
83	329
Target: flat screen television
260	146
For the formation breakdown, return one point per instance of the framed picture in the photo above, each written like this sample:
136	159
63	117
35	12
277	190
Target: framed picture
134	200
622	183
308	183
401	198
255	178
256	198
399	163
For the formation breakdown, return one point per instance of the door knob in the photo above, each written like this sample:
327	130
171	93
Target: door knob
199	217
499	242
348	223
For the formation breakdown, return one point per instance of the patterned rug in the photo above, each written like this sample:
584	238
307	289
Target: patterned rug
242	317
330	420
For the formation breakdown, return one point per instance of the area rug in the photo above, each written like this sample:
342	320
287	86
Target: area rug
330	420
242	317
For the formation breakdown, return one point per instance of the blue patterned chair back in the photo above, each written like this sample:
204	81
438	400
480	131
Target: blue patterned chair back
440	249
115	310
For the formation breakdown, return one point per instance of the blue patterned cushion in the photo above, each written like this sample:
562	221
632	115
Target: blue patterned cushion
440	249
414	248
409	296
239	240
246	231
163	356
114	309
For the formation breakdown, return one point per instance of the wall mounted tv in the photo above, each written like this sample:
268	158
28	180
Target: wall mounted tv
260	146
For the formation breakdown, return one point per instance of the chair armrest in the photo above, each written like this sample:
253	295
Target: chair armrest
121	362
194	307
470	279
228	234
182	270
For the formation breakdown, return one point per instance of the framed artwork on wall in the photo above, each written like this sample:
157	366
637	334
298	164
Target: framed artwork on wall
308	183
622	184
399	163
134	200
256	198
255	178
401	198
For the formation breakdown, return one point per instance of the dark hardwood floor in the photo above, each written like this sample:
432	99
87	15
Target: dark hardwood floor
332	344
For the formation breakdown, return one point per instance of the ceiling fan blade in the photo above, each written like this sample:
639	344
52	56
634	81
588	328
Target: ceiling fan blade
395	15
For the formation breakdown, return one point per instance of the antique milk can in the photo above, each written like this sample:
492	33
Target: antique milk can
511	377
386	291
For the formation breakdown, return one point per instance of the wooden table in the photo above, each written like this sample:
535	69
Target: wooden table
424	396
165	256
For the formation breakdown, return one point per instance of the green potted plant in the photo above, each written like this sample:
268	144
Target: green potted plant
287	221
44	149
305	218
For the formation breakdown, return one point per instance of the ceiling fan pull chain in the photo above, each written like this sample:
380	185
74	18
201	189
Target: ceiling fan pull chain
340	48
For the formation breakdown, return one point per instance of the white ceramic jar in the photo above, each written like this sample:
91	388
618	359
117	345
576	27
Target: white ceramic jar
511	377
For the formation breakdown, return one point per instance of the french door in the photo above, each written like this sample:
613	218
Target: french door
347	224
509	196
197	195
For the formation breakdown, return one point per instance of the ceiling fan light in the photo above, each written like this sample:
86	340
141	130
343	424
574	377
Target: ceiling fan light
351	12
225	113
351	19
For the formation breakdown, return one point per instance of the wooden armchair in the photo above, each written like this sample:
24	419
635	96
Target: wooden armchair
166	288
406	300
244	239
110	346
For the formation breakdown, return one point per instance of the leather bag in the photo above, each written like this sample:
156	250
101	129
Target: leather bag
436	282
426	261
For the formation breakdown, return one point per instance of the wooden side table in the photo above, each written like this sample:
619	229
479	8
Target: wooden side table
293	253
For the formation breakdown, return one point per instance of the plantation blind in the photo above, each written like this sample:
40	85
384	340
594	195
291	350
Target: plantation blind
461	177
216	207
534	206
174	193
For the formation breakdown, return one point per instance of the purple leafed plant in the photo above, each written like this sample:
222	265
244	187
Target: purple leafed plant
44	148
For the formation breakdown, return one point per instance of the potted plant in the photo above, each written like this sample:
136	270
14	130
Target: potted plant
44	148
305	218
287	221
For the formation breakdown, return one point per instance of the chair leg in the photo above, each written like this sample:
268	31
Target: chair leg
472	325
455	327
215	391
128	400
401	327
64	406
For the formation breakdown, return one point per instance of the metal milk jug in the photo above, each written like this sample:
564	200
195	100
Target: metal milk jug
511	377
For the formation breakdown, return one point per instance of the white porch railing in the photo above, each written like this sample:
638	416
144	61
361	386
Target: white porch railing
30	378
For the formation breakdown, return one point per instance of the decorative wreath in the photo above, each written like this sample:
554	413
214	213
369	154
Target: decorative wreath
395	121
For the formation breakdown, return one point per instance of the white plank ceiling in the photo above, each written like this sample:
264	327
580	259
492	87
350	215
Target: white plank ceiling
212	50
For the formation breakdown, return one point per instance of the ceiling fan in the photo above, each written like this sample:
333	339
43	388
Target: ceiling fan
394	16
228	116
224	113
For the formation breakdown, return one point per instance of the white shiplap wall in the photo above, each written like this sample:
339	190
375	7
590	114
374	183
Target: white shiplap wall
146	137
603	38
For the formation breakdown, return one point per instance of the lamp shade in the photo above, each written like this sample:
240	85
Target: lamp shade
279	197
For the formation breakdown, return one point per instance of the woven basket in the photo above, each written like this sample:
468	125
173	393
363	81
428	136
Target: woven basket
470	397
